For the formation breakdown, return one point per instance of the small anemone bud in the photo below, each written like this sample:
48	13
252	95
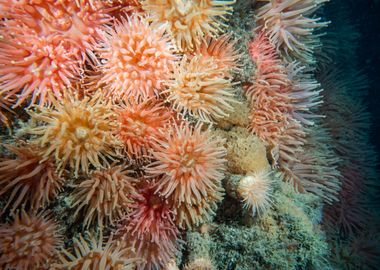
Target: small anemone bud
255	191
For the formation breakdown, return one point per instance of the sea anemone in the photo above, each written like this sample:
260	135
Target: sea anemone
31	241
191	161
289	144
262	51
256	192
304	94
136	59
105	195
95	255
316	170
139	124
349	123
222	51
282	100
189	215
288	27
30	178
77	22
349	215
198	87
149	230
77	132
189	22
36	66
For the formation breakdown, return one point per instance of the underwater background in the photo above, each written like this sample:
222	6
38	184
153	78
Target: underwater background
189	134
365	16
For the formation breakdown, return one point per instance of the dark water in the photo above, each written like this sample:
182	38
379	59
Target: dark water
365	14
365	18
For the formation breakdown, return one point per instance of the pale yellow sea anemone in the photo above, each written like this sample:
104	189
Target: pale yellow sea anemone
94	254
105	196
189	22
79	133
199	88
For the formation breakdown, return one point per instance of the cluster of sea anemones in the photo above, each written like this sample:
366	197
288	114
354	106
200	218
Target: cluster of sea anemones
334	161
115	108
284	95
121	98
44	45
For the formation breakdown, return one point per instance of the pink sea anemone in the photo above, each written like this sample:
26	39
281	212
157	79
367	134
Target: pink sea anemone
191	161
283	101
78	22
190	165
44	44
31	241
149	230
268	95
104	196
288	26
36	66
282	97
136	59
139	125
30	179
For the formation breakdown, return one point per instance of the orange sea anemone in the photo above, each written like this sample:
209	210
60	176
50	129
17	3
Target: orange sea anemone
94	254
31	241
79	133
104	196
189	22
149	230
36	66
30	179
198	87
255	190
287	25
78	22
191	161
140	123
136	59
